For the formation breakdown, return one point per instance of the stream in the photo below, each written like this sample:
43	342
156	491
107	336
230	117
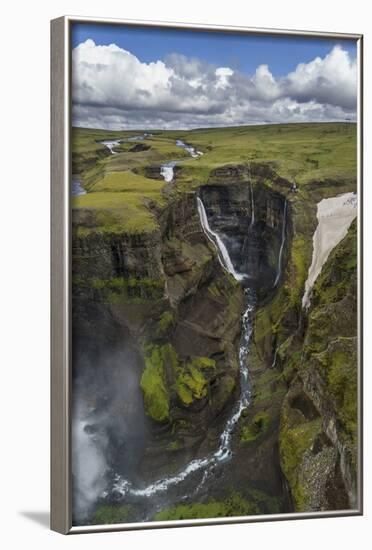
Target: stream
112	143
119	487
76	188
167	169
223	453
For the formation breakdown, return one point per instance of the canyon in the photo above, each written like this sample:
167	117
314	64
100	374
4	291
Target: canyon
201	386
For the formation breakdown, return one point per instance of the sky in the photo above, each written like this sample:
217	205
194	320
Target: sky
127	77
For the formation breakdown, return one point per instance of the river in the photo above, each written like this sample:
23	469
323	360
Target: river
122	488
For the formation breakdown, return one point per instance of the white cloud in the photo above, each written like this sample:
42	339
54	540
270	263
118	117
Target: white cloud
223	74
112	88
330	80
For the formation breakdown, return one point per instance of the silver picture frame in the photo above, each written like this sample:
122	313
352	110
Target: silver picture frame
61	489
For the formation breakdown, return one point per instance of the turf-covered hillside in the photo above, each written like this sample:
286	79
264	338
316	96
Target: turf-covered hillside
128	184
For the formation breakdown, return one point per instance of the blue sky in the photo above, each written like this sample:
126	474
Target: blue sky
128	77
241	52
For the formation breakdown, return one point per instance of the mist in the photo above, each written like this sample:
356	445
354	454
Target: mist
108	419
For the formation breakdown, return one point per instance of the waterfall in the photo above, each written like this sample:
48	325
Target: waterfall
122	486
167	171
191	150
216	240
252	205
252	197
110	144
279	270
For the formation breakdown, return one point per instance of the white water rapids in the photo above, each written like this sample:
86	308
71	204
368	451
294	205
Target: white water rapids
223	453
167	169
112	143
189	148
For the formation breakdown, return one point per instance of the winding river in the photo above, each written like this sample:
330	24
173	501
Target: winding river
167	169
206	465
223	453
120	487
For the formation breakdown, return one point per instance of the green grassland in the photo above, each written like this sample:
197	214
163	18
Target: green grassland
119	184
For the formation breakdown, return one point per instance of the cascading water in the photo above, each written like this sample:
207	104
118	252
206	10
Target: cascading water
284	223
218	243
189	148
167	171
252	197
252	206
123	487
111	144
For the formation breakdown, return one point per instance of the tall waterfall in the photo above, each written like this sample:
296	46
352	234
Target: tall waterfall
284	223
216	240
124	487
252	205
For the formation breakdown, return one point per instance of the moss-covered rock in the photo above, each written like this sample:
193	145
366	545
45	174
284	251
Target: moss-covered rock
192	379
154	383
107	514
233	505
256	427
319	449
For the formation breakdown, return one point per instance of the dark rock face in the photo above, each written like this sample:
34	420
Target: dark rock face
139	147
153	171
320	410
249	219
169	294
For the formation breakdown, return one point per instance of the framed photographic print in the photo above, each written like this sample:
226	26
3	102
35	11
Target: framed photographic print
206	274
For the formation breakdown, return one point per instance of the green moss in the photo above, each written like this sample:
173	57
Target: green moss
153	381
110	513
191	385
192	379
320	153
174	446
165	324
119	290
294	440
342	383
267	386
234	505
334	279
256	427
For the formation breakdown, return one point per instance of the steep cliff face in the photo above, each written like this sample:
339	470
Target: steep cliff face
255	223
180	310
168	292
318	435
172	314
